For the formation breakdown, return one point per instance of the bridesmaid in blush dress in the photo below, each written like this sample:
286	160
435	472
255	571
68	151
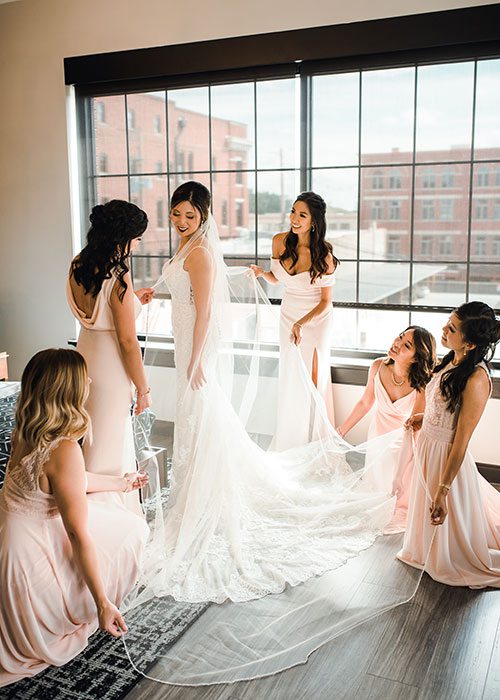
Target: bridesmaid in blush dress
304	263
452	508
395	389
65	563
102	299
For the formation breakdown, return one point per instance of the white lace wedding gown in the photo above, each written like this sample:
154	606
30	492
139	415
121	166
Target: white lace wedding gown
241	522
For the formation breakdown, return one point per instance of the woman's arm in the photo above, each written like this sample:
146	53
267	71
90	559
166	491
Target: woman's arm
474	399
200	266
277	250
124	320
364	404
414	422
324	303
65	471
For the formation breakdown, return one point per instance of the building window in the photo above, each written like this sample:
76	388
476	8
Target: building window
378	180
102	163
395	180
445	245
446	209
239	175
377	210
214	168
131	119
426	246
447	178
160	214
481	209
428	209
157	124
496	210
239	214
159	166
393	246
483	175
394	209
223	213
190	162
496	247
497	178
429	179
135	165
479	245
180	161
100	109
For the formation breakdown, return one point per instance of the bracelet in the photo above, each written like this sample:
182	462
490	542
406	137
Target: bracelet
445	486
145	393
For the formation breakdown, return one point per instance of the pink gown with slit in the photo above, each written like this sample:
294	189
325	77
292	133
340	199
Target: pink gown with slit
295	417
47	613
465	550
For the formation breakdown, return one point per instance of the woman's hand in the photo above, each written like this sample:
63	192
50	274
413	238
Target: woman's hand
110	619
296	334
438	508
142	402
133	481
341	430
196	376
414	422
145	294
257	271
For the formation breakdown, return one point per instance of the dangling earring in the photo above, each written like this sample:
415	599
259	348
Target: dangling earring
312	229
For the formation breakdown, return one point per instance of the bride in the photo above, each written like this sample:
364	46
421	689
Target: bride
241	522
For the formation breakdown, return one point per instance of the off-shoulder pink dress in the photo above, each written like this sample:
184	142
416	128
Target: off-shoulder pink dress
295	413
47	613
466	547
109	448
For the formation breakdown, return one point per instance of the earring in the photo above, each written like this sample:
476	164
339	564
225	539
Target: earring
312	229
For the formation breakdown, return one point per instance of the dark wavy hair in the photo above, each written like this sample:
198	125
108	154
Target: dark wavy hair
424	360
319	246
112	227
196	194
479	327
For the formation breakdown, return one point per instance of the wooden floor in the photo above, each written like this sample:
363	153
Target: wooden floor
444	645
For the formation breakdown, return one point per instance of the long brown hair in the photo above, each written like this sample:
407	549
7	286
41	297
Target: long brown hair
424	359
319	246
51	403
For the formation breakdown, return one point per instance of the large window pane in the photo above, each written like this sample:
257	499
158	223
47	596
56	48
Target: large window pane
188	130
110	135
387	115
344	288
149	192
385	212
441	212
444	111
335	118
108	188
277	123
363	329
438	285
276	193
233	133
485	235
339	189
233	208
384	283
147	141
487	125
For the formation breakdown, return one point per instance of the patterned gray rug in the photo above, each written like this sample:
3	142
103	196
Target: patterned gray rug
102	670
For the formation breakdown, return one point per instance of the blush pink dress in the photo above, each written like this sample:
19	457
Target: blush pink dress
388	416
47	613
295	415
109	448
465	550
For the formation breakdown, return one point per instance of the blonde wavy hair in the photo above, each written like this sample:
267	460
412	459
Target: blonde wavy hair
54	388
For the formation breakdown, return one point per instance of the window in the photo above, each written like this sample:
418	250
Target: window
223	213
497	178
239	213
429	179
378	180
160	213
239	175
447	178
159	166
377	210
100	109
102	164
131	119
496	210
394	210
479	247
445	245
446	209
482	177
135	165
395	180
428	209
426	246
190	163
496	247
481	209
157	124
393	246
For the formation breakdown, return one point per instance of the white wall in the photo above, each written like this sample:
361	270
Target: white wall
35	219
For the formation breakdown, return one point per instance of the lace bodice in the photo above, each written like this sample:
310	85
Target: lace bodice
21	491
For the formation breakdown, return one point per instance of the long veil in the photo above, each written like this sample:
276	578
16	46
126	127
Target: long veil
269	555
